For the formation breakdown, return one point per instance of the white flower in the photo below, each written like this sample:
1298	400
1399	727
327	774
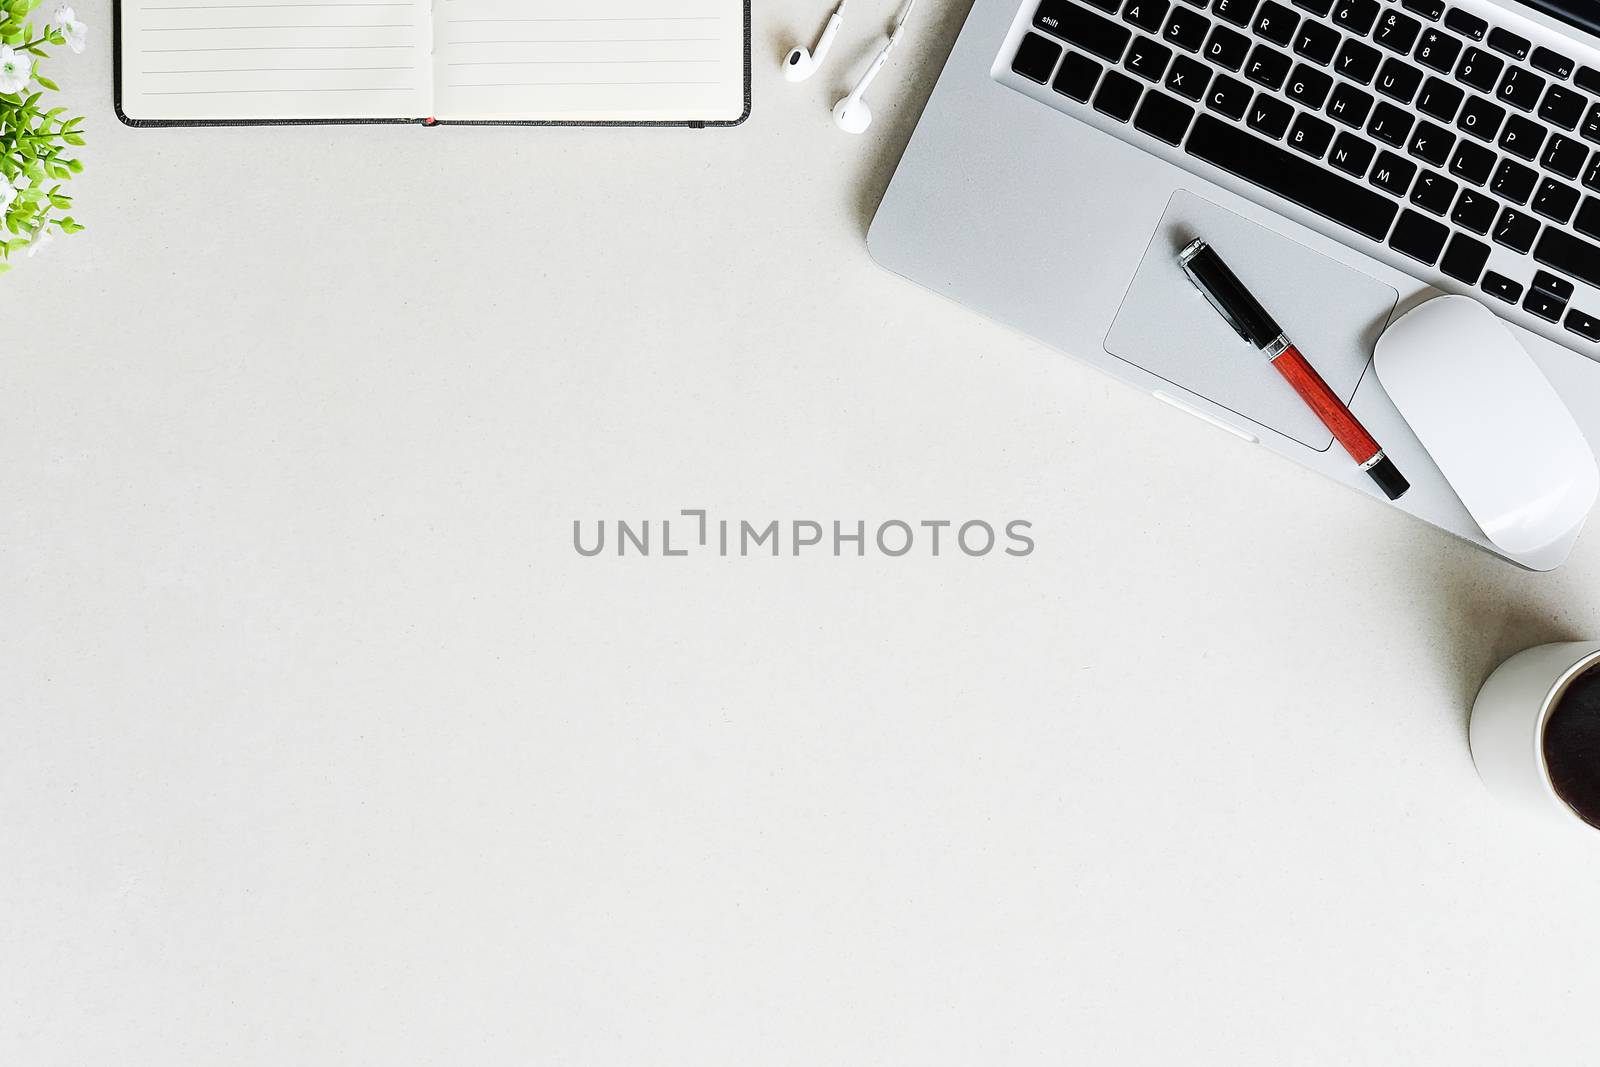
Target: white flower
8	193
76	33
40	237
15	69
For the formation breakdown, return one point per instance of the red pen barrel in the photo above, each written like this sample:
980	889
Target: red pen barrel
1326	404
1242	311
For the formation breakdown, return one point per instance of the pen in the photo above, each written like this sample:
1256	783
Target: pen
1242	311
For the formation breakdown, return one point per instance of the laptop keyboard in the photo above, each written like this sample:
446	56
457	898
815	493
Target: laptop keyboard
1416	125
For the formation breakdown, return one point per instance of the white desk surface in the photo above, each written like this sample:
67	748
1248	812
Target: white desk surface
323	746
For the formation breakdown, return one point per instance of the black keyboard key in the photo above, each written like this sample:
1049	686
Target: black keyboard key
1558	287
1474	211
1356	16
1316	42
1392	174
1479	69
1357	61
1432	10
1268	67
1397	32
1316	7
1590	130
1514	182
1229	97
1498	285
1468	25
1548	296
1561	251
1562	107
1399	80
1555	200
1077	77
1431	143
1117	96
1048	17
1465	259
1520	88
1106	5
1587	79
1310	86
1348	105
1352	154
1503	40
1544	305
1227	48
1188	77
1522	137
1186	30
1237	12
1552	63
1390	125
1148	59
1472	163
1292	177
1433	192
1481	118
1084	28
1311	135
1146	14
1584	325
1563	156
1269	115
1588	220
1419	237
1591	177
1163	118
1036	58
1516	230
1275	23
1440	99
1439	51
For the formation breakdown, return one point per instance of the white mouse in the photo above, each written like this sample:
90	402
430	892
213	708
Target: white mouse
1491	421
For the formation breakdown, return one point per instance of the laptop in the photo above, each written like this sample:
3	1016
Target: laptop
1350	159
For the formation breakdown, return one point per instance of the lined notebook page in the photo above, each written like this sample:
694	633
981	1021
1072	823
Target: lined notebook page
276	59
589	60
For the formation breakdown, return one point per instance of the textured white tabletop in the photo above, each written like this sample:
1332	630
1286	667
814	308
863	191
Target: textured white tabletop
322	745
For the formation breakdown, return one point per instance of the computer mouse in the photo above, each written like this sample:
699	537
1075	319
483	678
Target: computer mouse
1491	421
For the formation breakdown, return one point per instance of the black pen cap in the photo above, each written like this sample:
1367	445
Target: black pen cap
1389	478
1228	295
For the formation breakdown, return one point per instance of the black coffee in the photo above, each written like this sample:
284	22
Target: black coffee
1572	746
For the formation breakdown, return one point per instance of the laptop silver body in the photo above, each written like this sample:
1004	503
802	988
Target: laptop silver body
1045	215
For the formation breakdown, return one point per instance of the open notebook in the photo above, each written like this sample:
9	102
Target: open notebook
637	62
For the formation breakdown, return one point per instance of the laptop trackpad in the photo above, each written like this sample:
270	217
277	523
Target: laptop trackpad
1333	312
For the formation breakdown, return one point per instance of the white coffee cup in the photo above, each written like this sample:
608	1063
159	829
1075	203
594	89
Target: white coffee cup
1508	721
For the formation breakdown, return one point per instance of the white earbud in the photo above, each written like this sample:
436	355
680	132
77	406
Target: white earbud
800	64
852	115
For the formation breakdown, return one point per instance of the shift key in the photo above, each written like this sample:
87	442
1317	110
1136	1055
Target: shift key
1090	32
1569	255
